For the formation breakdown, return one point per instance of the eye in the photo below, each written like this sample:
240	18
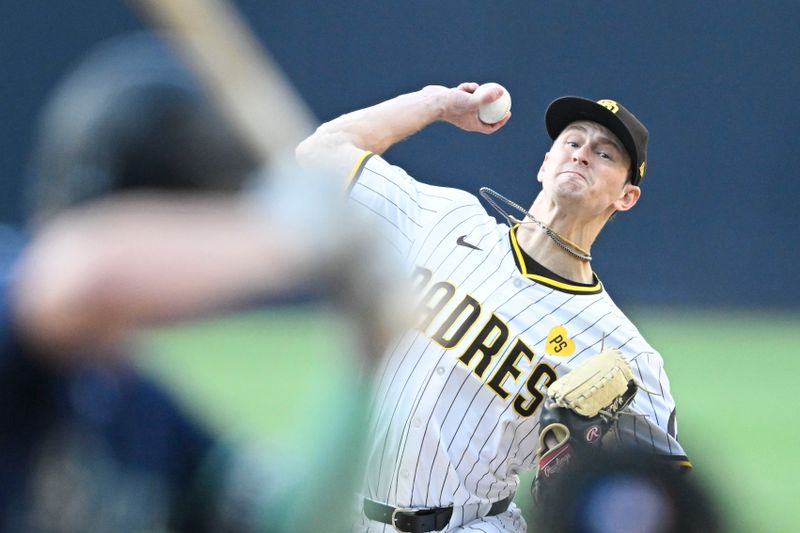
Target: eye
573	144
605	155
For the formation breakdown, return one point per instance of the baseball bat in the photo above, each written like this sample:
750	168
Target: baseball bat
258	101
247	85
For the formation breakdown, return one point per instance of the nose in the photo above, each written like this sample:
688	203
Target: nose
580	155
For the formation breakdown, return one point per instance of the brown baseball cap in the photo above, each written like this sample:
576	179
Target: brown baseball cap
565	110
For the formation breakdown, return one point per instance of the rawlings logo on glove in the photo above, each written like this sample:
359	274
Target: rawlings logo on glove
580	409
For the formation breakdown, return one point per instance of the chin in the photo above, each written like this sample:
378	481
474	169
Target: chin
571	187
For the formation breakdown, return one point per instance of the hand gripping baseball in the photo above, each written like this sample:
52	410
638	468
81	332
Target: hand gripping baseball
463	103
580	409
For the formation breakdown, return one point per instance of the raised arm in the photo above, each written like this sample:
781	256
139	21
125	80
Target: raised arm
95	273
338	144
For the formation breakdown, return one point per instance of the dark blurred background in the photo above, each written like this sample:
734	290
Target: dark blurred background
715	82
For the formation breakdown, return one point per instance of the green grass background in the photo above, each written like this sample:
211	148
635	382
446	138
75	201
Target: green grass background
281	375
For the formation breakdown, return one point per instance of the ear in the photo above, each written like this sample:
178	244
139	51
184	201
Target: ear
542	168
629	197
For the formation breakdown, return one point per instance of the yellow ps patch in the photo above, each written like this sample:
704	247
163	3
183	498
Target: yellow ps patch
558	343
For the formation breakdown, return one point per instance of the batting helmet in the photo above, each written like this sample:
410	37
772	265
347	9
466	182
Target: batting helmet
130	116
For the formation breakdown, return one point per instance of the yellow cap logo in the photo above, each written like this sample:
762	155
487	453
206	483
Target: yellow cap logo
641	169
611	105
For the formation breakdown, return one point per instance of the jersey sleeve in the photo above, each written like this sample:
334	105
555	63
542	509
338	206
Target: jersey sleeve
651	425
401	206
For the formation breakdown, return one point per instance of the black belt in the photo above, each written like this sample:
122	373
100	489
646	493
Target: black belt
420	520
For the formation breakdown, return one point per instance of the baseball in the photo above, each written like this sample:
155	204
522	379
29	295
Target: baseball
495	111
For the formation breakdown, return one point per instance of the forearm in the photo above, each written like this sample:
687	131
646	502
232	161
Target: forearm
338	144
95	275
378	127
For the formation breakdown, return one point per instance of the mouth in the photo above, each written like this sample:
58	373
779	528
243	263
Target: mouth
575	173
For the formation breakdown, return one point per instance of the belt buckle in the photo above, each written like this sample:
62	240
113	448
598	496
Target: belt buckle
401	510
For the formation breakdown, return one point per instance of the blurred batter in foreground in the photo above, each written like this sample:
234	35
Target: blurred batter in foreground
88	443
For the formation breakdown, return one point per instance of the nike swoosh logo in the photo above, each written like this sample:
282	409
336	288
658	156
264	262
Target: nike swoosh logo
461	242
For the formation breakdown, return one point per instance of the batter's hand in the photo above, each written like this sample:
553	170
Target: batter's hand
461	105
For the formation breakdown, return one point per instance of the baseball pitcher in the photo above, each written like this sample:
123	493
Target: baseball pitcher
519	357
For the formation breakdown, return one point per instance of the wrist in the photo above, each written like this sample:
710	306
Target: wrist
435	100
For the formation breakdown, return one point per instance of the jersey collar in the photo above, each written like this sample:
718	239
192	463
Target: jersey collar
529	268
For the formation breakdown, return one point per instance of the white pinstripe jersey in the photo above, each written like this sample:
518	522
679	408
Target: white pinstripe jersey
455	414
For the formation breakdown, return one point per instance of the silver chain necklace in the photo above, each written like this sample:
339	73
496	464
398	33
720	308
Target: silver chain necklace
492	197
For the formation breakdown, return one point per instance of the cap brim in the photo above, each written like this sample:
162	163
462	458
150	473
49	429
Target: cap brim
568	109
